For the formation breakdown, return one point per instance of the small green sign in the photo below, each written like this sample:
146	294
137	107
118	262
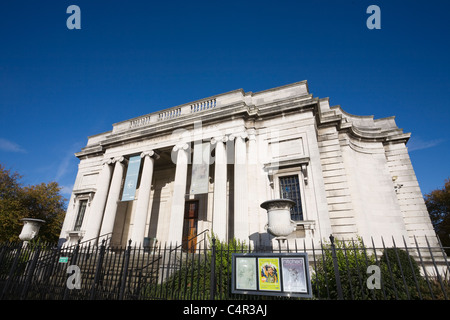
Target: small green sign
63	259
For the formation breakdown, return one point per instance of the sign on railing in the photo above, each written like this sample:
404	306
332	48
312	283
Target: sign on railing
280	274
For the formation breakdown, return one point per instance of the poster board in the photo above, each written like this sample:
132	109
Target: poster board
281	274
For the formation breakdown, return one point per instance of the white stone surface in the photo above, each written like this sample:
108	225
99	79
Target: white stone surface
355	174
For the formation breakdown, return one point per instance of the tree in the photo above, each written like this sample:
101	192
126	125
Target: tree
438	205
42	201
9	204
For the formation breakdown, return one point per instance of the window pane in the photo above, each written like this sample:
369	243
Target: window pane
80	215
290	189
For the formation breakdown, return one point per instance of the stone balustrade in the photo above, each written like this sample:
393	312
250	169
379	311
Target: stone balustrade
172	113
229	99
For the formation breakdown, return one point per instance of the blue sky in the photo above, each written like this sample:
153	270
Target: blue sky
130	58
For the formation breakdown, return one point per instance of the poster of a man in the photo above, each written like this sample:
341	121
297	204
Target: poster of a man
269	277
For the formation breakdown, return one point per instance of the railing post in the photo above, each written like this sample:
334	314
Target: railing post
437	270
11	272
212	280
336	269
30	273
98	270
73	261
125	271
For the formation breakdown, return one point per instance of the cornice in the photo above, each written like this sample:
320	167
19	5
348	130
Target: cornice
251	107
364	128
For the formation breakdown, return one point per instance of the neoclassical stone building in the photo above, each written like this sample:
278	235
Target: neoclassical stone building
209	164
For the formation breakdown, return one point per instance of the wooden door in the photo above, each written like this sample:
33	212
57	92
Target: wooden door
190	225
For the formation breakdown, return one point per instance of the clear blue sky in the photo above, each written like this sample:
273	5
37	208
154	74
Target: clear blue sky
59	86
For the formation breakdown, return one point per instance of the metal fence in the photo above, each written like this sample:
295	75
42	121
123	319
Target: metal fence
339	270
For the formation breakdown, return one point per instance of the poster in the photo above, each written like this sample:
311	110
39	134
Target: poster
294	275
246	273
200	169
129	187
269	274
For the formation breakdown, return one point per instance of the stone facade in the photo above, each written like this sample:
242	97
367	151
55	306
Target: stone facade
351	175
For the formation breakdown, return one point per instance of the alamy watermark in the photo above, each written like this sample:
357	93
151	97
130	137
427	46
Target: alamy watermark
374	20
74	280
74	20
374	280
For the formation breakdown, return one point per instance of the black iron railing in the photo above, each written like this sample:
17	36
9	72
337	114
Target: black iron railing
350	270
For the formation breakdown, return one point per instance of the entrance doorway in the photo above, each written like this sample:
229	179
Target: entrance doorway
190	225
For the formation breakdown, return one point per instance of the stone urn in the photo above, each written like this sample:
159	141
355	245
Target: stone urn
30	228
279	224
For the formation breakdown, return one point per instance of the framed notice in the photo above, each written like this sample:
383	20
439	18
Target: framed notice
294	274
246	273
279	274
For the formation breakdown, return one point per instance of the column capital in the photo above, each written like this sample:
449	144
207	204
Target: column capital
107	161
217	139
150	153
181	146
242	134
120	159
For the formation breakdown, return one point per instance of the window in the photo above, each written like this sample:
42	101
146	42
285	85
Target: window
80	215
290	189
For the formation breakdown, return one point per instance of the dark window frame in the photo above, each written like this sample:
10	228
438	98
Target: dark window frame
289	186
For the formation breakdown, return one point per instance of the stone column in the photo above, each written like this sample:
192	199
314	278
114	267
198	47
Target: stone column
113	197
241	231
219	220
140	214
252	174
98	203
178	196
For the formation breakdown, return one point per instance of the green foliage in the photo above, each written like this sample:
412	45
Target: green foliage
352	262
42	201
13	251
223	262
10	206
438	205
401	274
192	278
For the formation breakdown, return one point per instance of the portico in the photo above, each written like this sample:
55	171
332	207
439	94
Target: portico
162	203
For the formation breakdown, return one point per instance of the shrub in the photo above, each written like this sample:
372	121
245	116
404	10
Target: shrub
192	280
352	260
400	274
